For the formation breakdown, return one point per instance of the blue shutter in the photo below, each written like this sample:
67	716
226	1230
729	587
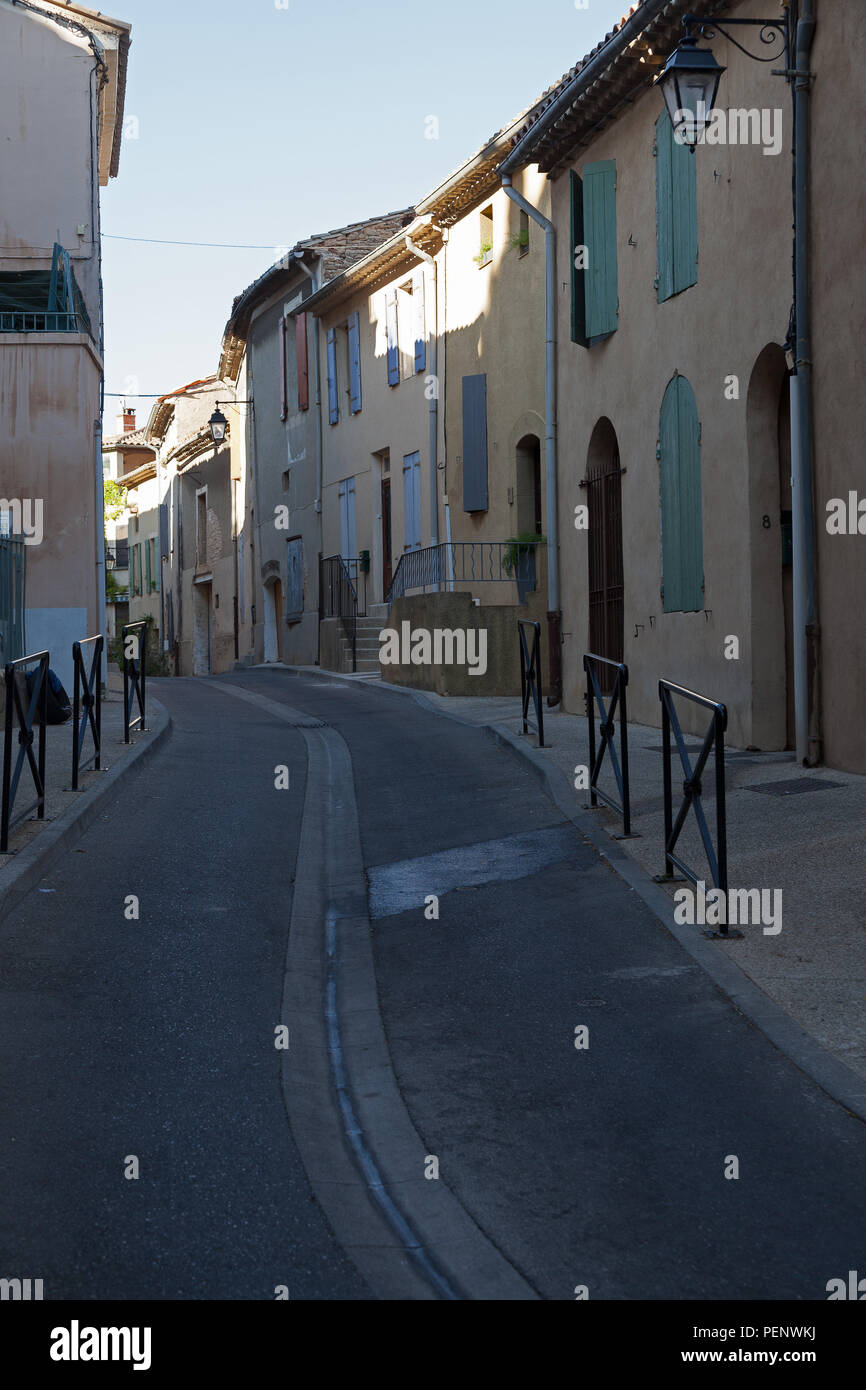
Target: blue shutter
681	518
155	544
676	212
354	329
393	359
412	500
578	288
475	443
599	223
294	578
420	321
333	407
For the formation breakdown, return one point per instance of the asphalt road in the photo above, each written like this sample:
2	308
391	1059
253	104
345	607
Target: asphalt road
602	1166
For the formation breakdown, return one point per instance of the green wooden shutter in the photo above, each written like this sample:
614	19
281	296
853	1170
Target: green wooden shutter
676	212
681	518
578	291
664	206
354	330
599	224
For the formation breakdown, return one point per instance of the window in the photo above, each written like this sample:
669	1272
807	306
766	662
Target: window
412	500
284	403
475	443
353	333
420	319
201	528
485	235
676	212
405	329
43	301
294	578
153	564
348	543
523	233
287	479
303	362
594	295
679	452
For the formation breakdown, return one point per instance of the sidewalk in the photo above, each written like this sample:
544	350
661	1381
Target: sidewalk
32	842
801	830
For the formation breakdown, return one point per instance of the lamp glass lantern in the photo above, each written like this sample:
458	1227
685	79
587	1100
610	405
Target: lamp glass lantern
218	426
690	81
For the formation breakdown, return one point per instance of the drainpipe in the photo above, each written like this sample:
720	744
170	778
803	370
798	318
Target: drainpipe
314	277
554	616
807	705
433	404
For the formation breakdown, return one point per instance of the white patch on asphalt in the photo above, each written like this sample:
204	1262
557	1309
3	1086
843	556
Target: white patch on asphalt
400	887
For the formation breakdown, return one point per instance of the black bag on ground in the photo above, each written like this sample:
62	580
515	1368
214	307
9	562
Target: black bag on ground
59	708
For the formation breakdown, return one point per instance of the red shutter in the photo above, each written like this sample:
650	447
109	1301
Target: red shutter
284	410
303	371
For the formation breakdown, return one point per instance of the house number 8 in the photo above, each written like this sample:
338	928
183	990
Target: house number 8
765	522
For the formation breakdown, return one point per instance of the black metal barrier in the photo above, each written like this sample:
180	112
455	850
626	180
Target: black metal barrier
714	741
87	697
36	700
530	675
607	728
134	643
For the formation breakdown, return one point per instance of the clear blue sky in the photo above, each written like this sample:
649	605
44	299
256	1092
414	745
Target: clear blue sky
262	124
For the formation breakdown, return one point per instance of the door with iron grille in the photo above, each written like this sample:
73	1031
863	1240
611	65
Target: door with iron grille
603	484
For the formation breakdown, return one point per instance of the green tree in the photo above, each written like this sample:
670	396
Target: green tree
115	499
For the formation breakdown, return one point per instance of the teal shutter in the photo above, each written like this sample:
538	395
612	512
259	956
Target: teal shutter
156	565
676	212
578	289
147	573
333	406
475	443
681	518
354	363
420	321
392	358
599	224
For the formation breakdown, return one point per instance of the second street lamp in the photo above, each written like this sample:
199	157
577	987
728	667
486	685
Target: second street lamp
218	426
689	82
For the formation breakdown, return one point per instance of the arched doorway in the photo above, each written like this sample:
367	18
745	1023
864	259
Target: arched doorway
528	489
603	485
769	444
273	596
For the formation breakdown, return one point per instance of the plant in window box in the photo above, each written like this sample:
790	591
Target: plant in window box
485	254
520	240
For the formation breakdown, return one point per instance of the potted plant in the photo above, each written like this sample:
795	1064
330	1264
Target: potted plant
519	560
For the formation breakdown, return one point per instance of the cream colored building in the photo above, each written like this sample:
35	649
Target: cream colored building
673	381
62	84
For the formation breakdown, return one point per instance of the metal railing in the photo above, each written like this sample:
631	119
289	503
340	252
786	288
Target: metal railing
87	697
12	573
338	596
607	727
40	321
714	741
36	701
134	647
530	676
466	563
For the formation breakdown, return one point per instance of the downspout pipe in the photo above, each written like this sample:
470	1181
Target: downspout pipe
315	281
433	401
807	705
554	615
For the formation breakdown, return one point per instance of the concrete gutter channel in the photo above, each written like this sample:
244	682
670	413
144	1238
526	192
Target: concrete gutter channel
65	824
840	1081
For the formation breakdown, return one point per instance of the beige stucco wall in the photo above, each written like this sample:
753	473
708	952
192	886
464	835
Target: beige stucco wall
496	326
715	329
49	388
838	274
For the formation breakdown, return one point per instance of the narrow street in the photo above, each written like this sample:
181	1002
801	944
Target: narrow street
600	1166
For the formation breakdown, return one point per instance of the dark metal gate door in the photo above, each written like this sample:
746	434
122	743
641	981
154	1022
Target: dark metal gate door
606	616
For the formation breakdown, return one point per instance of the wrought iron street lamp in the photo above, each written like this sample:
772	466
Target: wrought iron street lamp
218	422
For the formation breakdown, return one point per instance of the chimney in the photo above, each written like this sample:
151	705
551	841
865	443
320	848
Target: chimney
126	421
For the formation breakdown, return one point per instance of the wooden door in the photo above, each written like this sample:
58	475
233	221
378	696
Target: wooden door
387	575
606	612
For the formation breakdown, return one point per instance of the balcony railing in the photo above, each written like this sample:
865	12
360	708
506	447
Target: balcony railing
464	564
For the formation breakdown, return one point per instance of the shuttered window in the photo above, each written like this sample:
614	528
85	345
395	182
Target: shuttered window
578	273
420	321
154	571
333	405
601	299
392	356
475	443
303	367
681	520
676	212
284	406
147	570
354	332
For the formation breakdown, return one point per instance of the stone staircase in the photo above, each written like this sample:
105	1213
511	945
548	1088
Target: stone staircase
366	640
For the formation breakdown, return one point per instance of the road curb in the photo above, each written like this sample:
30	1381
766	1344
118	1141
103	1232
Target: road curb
839	1081
36	859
